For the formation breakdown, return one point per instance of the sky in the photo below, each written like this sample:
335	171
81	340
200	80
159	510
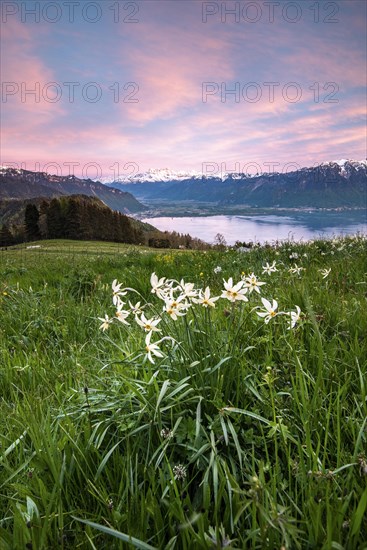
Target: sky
102	88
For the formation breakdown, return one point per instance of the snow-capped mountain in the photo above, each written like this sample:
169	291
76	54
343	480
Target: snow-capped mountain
334	184
164	175
153	175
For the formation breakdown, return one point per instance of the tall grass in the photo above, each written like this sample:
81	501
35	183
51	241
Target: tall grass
243	435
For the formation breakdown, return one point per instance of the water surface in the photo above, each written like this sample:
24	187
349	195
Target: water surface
266	228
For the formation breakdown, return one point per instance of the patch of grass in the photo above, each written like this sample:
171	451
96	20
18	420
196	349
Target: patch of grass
243	435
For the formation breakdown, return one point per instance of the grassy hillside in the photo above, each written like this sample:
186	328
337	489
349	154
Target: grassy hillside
237	430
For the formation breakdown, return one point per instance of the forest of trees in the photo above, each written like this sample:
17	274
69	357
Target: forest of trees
79	217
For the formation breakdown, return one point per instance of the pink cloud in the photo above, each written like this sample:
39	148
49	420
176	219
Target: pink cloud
170	68
22	71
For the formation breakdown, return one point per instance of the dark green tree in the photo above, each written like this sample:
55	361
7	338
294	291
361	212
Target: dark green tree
31	219
74	220
55	221
6	236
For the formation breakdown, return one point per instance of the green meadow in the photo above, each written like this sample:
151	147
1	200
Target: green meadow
230	424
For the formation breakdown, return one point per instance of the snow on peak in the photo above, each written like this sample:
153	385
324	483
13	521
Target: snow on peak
153	175
343	162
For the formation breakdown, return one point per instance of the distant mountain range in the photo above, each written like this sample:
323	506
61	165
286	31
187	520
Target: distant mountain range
24	184
333	184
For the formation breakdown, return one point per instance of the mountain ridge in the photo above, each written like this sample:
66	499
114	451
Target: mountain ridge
332	184
25	184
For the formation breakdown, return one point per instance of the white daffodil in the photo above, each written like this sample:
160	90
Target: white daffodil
106	321
325	272
252	283
296	269
151	349
175	308
135	308
121	315
234	293
204	298
156	283
270	310
187	289
117	292
269	268
295	317
149	325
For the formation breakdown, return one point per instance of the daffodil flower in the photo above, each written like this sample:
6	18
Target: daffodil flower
187	289
295	317
156	283
325	272
269	268
149	325
121	315
252	283
270	310
151	349
204	298
234	293
296	269
106	321
117	292
135	308
175	308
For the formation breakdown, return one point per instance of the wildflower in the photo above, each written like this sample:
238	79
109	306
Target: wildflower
187	289
269	268
121	315
205	300
151	349
325	272
217	269
179	471
293	256
270	310
174	307
296	269
295	317
166	433
106	321
149	325
156	283
117	292
201	274
252	283
234	292
135	308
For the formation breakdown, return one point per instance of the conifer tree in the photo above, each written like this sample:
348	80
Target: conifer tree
6	236
55	225
31	219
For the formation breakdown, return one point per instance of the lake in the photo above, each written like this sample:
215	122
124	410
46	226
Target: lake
266	228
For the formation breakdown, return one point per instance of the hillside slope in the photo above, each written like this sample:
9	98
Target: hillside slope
24	184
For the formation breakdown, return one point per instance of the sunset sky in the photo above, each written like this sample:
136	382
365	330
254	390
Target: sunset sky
151	82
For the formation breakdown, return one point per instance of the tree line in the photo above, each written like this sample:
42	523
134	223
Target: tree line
79	217
75	217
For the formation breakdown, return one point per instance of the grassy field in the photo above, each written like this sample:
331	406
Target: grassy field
226	429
